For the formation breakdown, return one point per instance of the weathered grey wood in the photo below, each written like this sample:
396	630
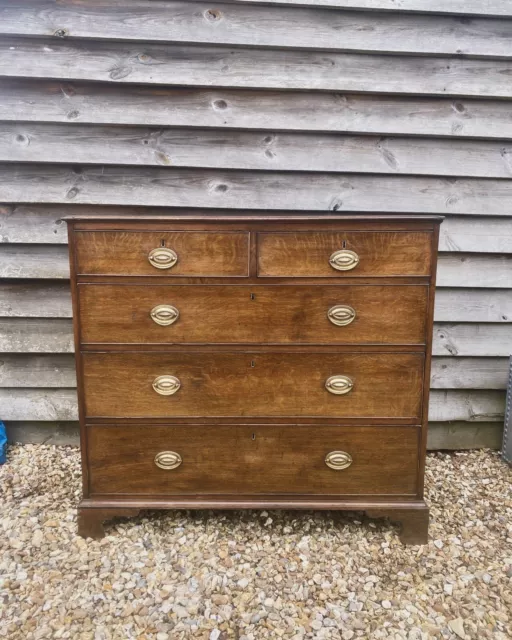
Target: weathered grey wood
462	435
33	261
35	300
479	271
253	68
466	7
252	190
58	371
61	404
36	335
473	305
57	433
45	371
257	26
81	144
38	224
441	435
469	373
76	102
464	339
476	235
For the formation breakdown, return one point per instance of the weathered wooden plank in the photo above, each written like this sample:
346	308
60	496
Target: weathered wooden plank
58	371
82	144
469	373
473	305
210	188
466	7
35	300
486	340
257	26
61	404
48	101
29	371
184	65
36	335
478	271
57	433
462	435
51	261
476	235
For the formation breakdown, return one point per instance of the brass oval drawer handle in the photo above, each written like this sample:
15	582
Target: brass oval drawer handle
168	460
163	258
339	385
338	460
166	385
341	315
344	260
164	314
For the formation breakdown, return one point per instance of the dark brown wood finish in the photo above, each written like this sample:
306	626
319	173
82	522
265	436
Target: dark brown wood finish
253	343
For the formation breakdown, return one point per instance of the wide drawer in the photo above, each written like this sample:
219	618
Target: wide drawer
339	314
344	254
177	253
234	384
253	460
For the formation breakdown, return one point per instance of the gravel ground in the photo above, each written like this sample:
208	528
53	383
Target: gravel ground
251	575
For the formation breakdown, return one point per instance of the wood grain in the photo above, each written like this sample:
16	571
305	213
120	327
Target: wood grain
35	299
248	384
36	335
216	107
252	460
257	26
469	373
468	339
220	66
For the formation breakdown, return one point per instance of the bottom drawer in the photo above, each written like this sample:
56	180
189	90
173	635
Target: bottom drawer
252	460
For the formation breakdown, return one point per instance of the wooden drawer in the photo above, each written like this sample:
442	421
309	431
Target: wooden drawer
234	384
252	460
252	314
358	253
197	253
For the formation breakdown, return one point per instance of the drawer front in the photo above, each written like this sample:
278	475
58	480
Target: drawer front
343	314
253	460
234	384
178	253
339	254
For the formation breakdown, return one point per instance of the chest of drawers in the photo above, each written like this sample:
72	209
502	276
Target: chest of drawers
253	361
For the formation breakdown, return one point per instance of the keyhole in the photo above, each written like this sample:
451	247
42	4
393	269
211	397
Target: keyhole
344	244
254	436
162	243
252	363
253	297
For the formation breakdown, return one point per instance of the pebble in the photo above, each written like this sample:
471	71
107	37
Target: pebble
252	575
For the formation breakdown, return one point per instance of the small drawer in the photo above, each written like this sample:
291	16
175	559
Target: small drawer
338	254
234	384
273	314
166	253
248	460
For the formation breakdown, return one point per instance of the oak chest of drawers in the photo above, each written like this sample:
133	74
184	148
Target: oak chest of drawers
247	361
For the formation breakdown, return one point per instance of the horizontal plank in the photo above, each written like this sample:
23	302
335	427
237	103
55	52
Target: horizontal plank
469	373
464	339
52	299
257	26
36	335
262	151
476	235
210	188
441	435
50	370
35	300
454	270
207	66
55	335
466	7
26	371
463	435
477	271
89	103
473	305
61	404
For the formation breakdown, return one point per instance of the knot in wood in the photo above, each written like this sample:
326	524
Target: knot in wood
61	33
213	15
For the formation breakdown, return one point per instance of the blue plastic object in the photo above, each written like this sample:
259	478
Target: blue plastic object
3	443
